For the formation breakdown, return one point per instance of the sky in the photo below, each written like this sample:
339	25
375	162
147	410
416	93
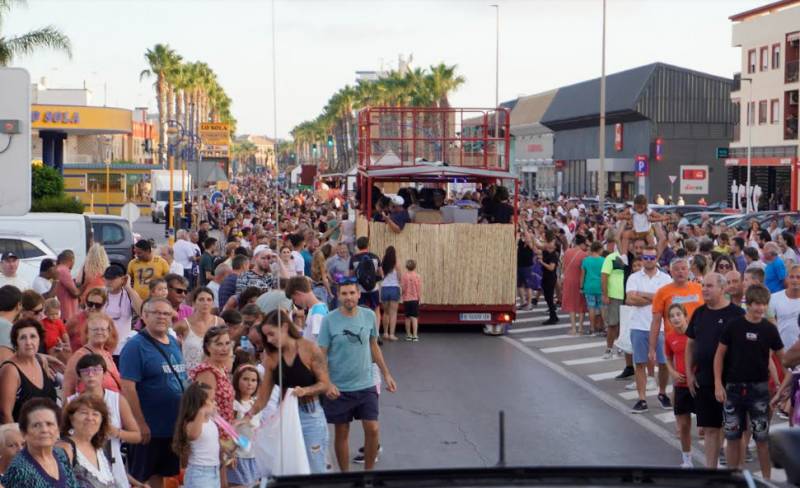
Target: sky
320	44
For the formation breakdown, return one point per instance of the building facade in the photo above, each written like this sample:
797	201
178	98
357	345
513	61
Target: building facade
532	143
765	99
663	125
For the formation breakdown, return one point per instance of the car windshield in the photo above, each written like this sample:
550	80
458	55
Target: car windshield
402	235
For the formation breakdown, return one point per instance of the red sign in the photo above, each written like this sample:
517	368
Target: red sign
694	174
534	148
659	149
560	163
618	137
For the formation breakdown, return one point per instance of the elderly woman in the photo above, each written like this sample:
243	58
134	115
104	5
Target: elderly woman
213	370
95	303
192	329
91	275
23	377
101	339
11	442
84	429
40	464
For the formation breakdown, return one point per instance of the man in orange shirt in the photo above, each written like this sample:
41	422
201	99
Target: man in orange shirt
681	290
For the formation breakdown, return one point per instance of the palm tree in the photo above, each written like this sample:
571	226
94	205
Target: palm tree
45	37
441	81
162	60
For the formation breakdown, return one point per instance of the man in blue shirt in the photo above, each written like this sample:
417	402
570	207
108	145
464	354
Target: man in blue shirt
153	377
775	272
348	339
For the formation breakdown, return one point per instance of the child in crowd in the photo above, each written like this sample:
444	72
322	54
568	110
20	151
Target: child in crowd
741	375
196	440
683	406
56	338
245	383
591	287
642	219
411	284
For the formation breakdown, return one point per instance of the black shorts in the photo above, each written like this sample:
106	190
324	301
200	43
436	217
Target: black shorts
370	299
153	459
352	405
411	309
708	409
684	401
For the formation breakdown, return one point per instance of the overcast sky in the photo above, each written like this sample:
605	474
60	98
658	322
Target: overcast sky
321	43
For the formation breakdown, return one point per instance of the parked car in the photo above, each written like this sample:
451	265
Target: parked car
61	231
30	250
115	234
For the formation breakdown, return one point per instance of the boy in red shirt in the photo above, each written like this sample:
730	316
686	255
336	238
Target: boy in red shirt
683	406
56	338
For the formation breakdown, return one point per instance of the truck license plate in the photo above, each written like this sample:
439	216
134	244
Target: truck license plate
475	317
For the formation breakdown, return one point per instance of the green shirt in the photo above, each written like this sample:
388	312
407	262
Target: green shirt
616	277
347	340
592	267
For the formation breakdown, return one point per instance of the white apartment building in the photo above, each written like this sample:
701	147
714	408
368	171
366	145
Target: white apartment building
765	95
532	145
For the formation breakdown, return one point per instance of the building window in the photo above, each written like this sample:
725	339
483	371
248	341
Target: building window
751	61
790	111
774	111
764	54
751	113
762	112
96	182
776	56
737	118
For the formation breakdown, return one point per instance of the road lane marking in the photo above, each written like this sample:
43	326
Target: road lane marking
633	395
538	329
589	360
666	417
548	338
572	347
604	376
541	317
650	425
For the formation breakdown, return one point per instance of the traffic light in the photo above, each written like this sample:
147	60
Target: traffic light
330	141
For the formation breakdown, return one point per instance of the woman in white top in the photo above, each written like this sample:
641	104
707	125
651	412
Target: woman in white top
284	265
193	328
197	437
122	302
787	245
84	426
122	426
390	293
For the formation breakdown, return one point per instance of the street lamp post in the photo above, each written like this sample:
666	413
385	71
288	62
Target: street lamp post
601	174
750	113
497	75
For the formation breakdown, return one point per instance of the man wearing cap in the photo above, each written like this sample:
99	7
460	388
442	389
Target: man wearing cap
8	266
122	301
145	267
397	217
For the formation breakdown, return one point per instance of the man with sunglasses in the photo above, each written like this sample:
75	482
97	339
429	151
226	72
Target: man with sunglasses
349	343
177	290
641	288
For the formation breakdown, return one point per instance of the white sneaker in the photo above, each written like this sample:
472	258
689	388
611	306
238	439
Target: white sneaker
651	385
688	465
631	386
609	354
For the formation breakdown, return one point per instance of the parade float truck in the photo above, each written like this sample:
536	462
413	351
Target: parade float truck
468	269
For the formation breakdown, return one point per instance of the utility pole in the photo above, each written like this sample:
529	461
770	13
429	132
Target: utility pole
601	174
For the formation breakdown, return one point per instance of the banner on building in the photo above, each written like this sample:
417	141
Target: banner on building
618	137
215	133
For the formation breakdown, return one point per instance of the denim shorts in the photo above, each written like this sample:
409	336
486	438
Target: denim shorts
358	405
201	476
640	340
390	294
315	435
594	302
743	399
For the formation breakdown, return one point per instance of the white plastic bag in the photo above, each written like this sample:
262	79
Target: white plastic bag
282	455
623	342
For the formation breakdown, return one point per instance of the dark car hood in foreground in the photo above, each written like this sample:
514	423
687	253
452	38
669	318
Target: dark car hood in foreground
526	476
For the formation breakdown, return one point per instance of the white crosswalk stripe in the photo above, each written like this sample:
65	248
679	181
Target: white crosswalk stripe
534	319
548	338
666	417
541	328
604	376
633	395
589	360
573	347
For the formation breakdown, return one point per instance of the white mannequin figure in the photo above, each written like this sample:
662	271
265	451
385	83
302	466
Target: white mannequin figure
742	193
756	197
734	192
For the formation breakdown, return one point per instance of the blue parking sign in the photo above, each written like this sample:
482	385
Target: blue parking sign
642	166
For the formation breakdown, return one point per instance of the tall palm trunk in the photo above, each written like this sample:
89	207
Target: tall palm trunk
162	118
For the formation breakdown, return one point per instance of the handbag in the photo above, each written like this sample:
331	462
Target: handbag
164	354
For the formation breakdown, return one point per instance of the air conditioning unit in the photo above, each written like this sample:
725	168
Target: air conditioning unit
793	98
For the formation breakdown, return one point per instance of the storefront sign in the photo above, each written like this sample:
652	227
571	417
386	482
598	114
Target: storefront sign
642	167
534	148
560	163
659	149
215	133
89	120
55	117
694	180
618	137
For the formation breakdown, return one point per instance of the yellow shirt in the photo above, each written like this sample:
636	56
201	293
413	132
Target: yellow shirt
141	272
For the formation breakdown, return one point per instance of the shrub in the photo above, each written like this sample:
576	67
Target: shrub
60	203
46	182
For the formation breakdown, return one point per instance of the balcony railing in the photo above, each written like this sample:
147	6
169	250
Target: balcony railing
792	71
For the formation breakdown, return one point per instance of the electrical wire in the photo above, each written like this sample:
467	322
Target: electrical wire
8	145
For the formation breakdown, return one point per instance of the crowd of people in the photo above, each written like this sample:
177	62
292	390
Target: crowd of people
115	377
714	308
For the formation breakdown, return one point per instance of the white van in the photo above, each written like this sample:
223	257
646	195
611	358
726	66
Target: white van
60	231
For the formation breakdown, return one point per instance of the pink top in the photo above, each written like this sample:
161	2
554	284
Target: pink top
411	283
183	312
65	288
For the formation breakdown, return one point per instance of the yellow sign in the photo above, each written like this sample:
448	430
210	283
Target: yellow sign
215	133
214	151
67	118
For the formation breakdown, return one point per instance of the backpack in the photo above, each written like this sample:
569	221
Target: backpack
366	274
